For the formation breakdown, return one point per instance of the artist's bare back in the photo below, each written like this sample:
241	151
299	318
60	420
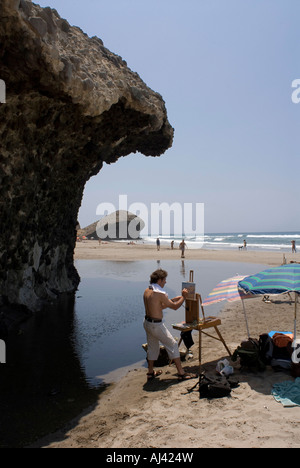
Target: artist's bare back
155	302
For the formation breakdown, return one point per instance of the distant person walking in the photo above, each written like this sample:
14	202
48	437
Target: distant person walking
182	247
158	243
245	244
293	246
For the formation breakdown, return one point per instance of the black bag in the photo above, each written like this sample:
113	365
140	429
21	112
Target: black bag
266	348
249	354
213	388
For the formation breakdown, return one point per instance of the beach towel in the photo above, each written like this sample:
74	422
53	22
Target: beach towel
272	333
287	393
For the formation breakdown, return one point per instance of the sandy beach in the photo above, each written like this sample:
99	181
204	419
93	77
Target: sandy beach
164	413
138	251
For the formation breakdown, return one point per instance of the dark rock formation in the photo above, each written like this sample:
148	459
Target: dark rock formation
118	225
70	105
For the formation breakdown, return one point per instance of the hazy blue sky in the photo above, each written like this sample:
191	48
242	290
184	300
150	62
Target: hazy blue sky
225	70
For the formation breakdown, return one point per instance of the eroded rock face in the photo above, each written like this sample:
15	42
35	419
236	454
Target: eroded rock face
119	225
71	105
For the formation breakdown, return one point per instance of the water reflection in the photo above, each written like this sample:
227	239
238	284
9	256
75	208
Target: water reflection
182	269
108	331
42	384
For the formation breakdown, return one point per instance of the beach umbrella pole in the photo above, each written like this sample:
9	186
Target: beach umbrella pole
246	318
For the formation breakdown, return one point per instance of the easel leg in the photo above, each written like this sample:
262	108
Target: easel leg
200	351
222	339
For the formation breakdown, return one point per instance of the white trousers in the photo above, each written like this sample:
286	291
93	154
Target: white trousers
158	333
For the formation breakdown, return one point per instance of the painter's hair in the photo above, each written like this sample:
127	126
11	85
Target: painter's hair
158	275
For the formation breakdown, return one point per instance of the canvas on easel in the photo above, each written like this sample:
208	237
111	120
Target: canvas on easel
190	286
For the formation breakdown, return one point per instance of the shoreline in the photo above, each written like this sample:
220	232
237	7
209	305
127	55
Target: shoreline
163	413
122	251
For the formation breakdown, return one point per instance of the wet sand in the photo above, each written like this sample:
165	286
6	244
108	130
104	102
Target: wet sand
138	251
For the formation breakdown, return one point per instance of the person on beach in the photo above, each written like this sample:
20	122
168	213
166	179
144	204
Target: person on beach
155	300
158	243
182	247
293	246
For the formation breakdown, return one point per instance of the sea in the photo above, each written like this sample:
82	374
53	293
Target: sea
261	241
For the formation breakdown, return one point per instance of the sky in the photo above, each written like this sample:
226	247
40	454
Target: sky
225	71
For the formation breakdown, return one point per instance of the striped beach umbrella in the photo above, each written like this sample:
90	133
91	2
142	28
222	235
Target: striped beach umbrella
278	280
226	290
274	281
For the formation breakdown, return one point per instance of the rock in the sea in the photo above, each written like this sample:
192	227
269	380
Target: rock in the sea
71	105
118	225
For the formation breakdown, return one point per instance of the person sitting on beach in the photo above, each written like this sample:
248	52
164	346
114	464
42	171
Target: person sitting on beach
155	300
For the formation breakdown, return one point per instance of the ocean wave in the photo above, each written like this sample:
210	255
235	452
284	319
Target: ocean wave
274	236
255	241
235	245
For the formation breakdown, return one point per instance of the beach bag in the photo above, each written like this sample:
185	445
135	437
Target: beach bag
282	351
282	347
266	348
249	354
213	388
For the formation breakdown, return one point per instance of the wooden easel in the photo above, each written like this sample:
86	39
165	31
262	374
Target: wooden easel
193	322
192	309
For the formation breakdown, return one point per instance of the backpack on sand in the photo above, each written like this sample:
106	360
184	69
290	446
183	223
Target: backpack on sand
249	354
216	387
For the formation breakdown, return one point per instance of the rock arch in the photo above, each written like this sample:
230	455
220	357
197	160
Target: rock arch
71	105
